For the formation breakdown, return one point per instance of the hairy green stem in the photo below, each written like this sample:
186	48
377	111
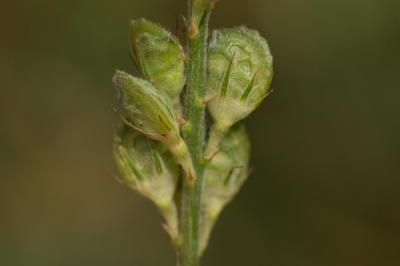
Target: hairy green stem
194	137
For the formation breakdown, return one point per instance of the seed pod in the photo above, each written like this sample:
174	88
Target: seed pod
159	56
223	177
239	75
147	108
149	168
149	111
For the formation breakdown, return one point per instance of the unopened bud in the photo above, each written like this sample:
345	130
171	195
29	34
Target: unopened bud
223	177
199	8
149	168
159	56
239	75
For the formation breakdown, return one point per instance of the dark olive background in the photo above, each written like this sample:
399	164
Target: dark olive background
326	148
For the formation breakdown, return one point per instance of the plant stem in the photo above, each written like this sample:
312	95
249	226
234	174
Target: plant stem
194	137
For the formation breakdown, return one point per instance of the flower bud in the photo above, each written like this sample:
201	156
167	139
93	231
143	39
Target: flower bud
223	177
149	168
199	7
239	75
159	56
149	111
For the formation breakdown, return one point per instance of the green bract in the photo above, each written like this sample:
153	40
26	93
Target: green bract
149	111
199	7
159	56
239	75
148	167
223	177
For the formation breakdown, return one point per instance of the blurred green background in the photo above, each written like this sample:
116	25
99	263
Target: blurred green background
326	147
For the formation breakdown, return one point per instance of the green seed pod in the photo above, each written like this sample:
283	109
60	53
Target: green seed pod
159	56
149	168
149	111
223	177
239	75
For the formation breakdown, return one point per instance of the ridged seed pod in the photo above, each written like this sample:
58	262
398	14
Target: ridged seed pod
159	56
149	168
150	111
223	177
239	75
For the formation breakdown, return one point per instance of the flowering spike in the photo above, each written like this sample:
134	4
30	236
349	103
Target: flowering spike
163	149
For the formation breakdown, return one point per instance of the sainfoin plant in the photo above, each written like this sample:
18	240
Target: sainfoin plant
166	149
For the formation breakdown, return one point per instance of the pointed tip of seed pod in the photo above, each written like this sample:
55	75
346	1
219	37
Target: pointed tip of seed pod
119	72
138	26
140	22
119	76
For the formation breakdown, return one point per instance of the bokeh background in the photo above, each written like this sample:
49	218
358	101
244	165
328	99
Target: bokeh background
326	147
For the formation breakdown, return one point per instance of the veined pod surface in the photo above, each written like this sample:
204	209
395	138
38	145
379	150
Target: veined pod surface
159	56
239	75
148	167
150	111
223	177
147	108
